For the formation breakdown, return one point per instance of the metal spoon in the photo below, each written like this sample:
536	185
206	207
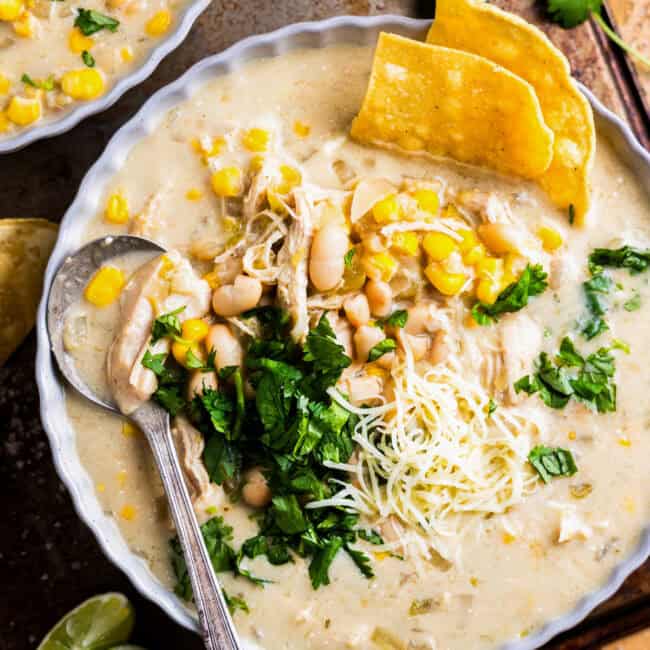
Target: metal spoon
67	289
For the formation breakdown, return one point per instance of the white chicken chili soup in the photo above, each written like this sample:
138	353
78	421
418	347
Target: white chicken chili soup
54	55
438	381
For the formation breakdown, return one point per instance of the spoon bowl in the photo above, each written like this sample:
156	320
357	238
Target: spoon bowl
67	290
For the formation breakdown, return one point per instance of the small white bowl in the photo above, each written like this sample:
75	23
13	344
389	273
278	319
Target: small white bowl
143	71
345	29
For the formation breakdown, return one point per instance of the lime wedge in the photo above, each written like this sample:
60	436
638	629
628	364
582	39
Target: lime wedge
99	622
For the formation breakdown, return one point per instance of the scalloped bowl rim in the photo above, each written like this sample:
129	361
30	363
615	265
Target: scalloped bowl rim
84	207
69	120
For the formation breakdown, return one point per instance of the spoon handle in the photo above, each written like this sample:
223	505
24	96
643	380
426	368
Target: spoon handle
214	617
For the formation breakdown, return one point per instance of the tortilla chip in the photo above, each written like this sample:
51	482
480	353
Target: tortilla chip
450	103
25	247
482	29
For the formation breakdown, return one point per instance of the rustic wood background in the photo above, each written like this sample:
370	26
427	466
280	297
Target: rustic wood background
49	561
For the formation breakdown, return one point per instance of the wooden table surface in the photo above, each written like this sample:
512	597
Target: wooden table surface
49	560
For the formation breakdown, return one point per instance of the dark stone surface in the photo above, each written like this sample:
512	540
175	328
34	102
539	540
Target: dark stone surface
49	560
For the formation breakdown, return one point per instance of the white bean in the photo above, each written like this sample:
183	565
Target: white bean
418	344
227	348
233	299
199	381
365	338
380	298
419	320
357	310
326	258
255	490
439	348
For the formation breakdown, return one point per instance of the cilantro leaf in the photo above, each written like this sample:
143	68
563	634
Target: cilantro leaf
514	297
380	349
288	515
633	259
550	463
235	603
222	459
167	325
326	353
595	290
570	13
90	21
321	561
349	256
371	536
88	58
634	303
492	407
398	318
170	398
47	84
217	535
219	407
361	560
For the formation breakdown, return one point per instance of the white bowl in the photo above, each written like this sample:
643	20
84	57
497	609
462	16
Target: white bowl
346	29
69	120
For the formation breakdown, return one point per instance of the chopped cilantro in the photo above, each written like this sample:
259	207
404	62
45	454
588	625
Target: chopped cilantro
235	603
514	297
633	259
370	536
88	58
90	21
492	407
570	13
167	325
634	303
550	463
590	383
398	318
595	291
47	84
382	348
572	213
349	256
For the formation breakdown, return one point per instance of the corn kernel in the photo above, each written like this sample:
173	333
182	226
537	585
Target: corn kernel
127	54
159	23
129	430
448	284
121	478
427	200
438	246
227	181
474	255
624	441
489	268
193	194
5	84
256	140
25	26
4	122
23	111
380	266
290	178
77	42
212	278
84	84
117	209
181	348
11	9
406	242
473	581
387	210
105	286
508	538
301	129
572	435
487	291
381	555
469	240
550	238
194	329
128	512
256	163
629	505
100	487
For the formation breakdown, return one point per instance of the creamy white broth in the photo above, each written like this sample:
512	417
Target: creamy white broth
513	576
47	51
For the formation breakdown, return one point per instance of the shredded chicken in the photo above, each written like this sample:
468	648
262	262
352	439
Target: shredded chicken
168	282
147	222
189	444
293	258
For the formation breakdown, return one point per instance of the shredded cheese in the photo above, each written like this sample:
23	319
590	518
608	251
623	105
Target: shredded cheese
434	454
